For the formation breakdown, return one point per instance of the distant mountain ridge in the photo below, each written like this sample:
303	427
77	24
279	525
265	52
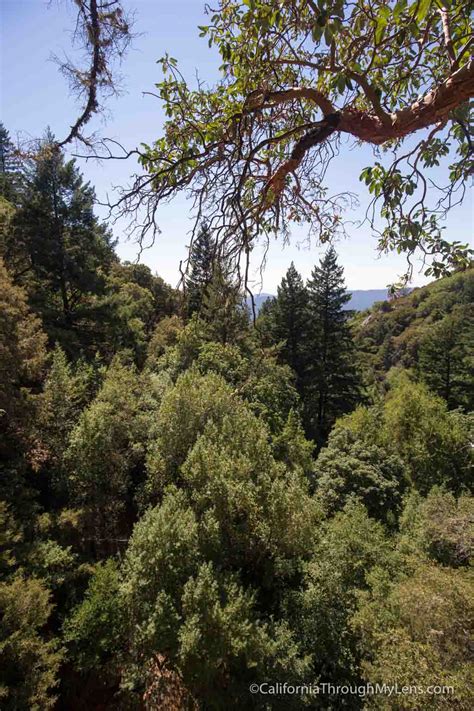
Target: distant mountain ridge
361	299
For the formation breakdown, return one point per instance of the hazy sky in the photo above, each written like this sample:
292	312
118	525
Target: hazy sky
34	95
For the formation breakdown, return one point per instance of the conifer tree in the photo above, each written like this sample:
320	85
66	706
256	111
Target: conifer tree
56	246
287	320
201	268
331	387
223	308
10	167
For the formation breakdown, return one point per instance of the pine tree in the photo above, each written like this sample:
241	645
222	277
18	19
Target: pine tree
10	167
223	308
287	319
56	246
331	383
201	268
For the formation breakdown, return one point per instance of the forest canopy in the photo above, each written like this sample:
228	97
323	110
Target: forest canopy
204	508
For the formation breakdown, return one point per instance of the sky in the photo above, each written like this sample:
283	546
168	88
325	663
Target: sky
33	95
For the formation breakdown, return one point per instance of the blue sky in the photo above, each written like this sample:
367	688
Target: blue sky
34	95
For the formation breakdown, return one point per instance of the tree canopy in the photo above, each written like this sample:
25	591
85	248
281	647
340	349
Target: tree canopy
194	501
298	79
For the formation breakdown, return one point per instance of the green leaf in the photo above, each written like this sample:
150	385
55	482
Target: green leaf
422	11
400	6
341	83
382	21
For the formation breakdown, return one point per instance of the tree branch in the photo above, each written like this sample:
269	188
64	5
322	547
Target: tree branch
432	108
447	36
104	31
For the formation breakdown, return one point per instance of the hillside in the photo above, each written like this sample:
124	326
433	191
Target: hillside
390	333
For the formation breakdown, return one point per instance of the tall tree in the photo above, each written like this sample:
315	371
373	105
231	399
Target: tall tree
202	259
10	167
287	318
223	308
331	387
56	246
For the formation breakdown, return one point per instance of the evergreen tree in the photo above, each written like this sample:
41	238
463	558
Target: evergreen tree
201	268
223	308
446	358
287	318
10	167
57	247
331	387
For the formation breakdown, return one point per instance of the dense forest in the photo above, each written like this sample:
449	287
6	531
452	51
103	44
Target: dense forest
192	503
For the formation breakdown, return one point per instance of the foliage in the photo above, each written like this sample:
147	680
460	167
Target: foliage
446	358
10	168
349	467
439	526
94	628
349	546
106	452
22	363
56	247
331	386
416	426
416	630
223	308
393	333
168	533
201	266
30	660
285	319
297	79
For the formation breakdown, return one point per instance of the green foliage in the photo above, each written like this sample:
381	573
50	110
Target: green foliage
416	631
350	467
223	309
291	446
294	74
10	536
446	357
167	534
57	249
200	618
135	302
202	262
332	386
431	440
22	350
162	555
10	168
106	453
262	512
349	546
30	658
309	327
433	443
66	392
94	629
285	319
403	330
251	370
439	526
165	334
183	414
